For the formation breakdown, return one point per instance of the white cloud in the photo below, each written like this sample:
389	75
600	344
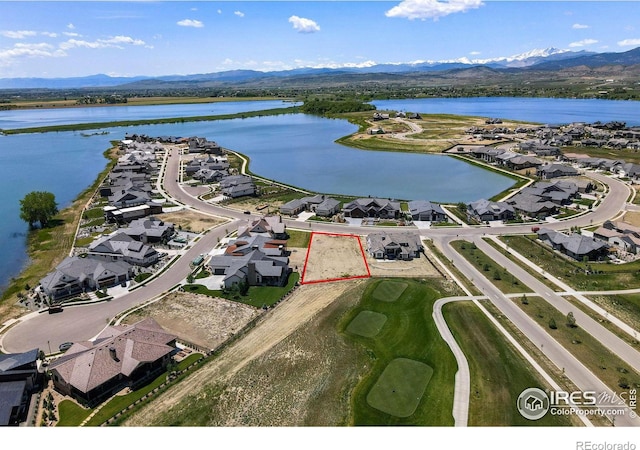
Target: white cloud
431	9
629	42
49	34
239	13
71	26
70	34
190	23
583	43
579	26
475	53
21	34
302	25
113	42
219	11
22	50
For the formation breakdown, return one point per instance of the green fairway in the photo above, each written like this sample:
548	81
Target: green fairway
498	372
409	333
367	324
400	388
389	291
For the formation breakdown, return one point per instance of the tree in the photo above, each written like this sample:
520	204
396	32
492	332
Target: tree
571	320
524	299
552	324
38	207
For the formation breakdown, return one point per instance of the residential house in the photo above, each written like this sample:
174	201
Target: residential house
620	234
576	246
121	356
423	210
19	379
320	204
271	226
202	145
372	207
328	207
237	186
522	162
129	195
253	267
404	246
113	214
122	247
555	171
75	275
485	210
150	230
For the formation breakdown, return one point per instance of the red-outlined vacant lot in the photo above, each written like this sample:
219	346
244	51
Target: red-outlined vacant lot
334	257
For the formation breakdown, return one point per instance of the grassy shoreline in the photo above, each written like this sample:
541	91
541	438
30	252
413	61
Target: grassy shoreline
131	123
47	247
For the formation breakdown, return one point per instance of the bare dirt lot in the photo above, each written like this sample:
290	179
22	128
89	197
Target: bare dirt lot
275	326
191	220
199	319
334	257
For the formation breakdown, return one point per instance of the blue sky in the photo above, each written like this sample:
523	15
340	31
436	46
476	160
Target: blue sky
78	38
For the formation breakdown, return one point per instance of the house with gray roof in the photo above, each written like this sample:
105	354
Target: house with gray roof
121	356
320	204
202	145
122	247
19	378
372	207
237	186
620	234
576	246
75	275
423	210
247	263
403	246
485	210
149	230
555	171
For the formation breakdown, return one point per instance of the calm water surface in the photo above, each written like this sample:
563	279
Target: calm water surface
96	114
295	149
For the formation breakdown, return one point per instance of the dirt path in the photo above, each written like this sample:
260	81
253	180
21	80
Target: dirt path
304	304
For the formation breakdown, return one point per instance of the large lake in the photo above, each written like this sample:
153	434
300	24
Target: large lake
295	149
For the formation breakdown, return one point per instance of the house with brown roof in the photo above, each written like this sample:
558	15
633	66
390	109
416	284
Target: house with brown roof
121	356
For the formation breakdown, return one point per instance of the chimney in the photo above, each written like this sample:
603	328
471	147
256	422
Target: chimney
112	352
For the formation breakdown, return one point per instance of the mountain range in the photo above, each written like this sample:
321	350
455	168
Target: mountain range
549	59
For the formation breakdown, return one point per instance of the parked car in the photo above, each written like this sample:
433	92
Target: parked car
65	346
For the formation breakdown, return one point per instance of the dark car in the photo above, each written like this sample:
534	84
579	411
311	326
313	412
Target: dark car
65	346
247	212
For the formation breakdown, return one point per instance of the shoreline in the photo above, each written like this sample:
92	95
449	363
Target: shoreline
38	259
133	123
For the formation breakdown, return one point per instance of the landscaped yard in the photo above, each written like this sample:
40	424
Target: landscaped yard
258	296
579	275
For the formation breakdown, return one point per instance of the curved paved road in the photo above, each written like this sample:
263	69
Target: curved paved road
82	323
